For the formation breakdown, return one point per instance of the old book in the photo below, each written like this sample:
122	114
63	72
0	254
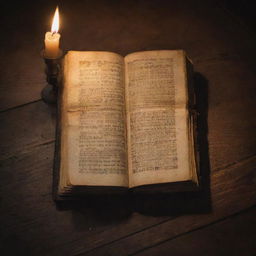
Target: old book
126	123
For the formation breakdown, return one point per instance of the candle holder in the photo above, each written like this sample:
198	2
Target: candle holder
53	69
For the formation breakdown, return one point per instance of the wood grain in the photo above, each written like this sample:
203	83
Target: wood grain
233	190
98	223
223	51
232	236
26	127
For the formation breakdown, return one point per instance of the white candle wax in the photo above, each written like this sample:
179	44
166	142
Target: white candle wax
52	41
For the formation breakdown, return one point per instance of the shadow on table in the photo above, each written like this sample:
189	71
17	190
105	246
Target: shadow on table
114	208
96	210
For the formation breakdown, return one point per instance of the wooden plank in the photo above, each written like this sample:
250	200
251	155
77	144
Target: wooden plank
31	221
232	236
232	190
33	224
24	128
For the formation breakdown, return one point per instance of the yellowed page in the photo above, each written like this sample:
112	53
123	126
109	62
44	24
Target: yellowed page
94	142
157	117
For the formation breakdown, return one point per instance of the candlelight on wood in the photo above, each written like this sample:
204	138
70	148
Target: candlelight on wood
52	39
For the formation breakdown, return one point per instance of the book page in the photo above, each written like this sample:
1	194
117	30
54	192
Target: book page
93	120
157	117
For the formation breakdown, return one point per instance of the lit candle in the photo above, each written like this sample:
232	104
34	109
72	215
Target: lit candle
52	39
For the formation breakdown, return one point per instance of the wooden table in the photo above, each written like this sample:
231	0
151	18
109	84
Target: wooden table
219	221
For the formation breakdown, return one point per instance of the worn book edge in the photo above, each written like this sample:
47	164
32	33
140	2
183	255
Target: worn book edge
173	186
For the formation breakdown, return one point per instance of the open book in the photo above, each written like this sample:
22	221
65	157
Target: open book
126	122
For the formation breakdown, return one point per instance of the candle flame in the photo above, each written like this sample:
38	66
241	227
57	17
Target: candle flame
55	22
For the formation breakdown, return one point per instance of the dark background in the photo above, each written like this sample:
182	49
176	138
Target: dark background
219	37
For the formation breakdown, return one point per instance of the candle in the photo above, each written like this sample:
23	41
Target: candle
52	39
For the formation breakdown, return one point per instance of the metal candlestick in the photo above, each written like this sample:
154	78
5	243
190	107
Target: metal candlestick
53	69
